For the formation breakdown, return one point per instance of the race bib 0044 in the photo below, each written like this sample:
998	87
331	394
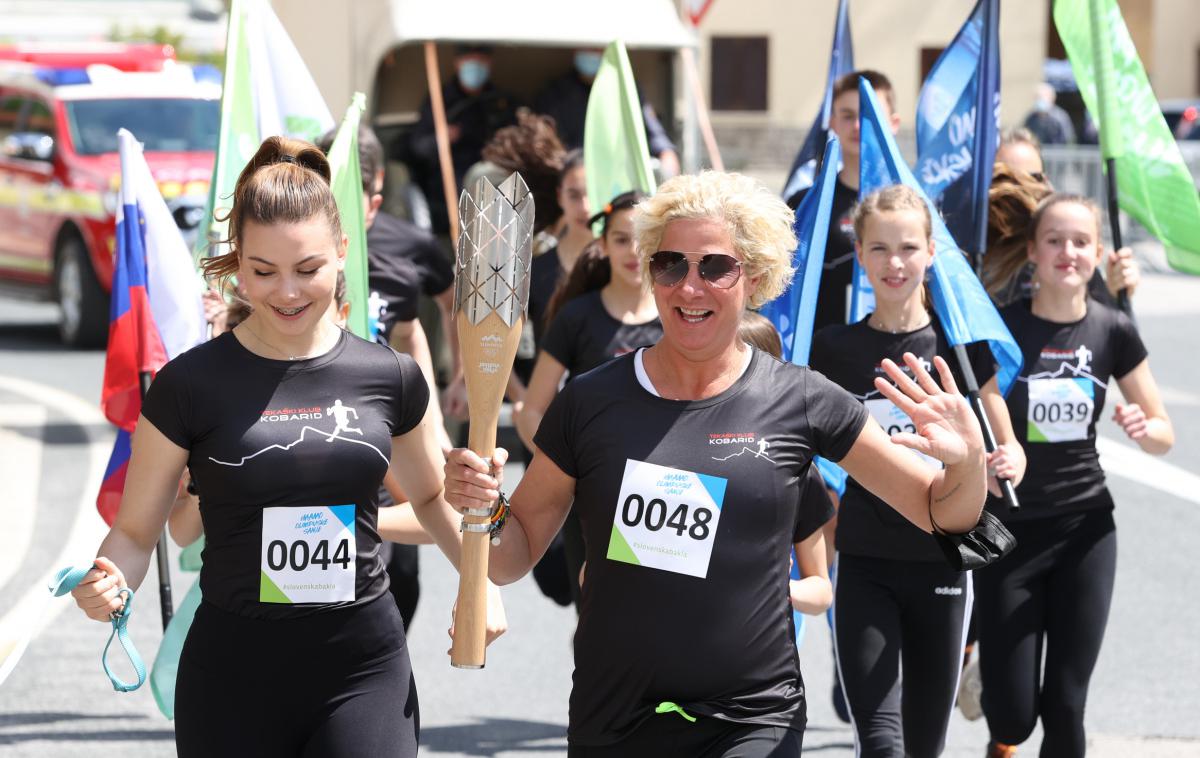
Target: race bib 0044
666	518
308	555
1060	410
893	420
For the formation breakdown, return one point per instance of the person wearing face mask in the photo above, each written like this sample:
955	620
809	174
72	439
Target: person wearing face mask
475	110
565	100
1048	122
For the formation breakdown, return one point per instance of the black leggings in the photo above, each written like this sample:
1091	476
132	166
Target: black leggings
1051	595
336	684
889	615
669	734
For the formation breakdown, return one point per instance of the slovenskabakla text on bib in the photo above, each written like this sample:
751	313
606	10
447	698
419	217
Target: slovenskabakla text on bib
893	420
666	518
1060	409
308	555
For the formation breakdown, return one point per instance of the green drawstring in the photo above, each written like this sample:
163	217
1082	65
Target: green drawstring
668	707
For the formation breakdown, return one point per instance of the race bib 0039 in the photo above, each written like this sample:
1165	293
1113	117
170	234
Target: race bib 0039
666	518
1060	410
308	555
893	420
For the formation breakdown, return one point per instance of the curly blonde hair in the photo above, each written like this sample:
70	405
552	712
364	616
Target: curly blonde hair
758	222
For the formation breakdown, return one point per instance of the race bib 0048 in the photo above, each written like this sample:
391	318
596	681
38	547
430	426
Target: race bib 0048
307	555
893	420
666	518
1060	410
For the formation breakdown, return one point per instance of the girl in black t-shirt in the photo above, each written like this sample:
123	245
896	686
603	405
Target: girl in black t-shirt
600	311
897	603
1052	594
288	425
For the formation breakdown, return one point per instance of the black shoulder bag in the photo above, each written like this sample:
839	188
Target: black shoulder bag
987	543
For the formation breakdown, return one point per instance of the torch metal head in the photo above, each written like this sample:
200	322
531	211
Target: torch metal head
495	249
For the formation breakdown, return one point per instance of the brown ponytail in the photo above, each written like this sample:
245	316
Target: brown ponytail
286	181
1012	199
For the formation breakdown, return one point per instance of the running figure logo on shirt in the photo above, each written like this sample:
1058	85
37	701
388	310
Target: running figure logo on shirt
1082	367
341	415
745	440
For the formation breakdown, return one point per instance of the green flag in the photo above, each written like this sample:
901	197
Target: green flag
615	155
267	90
1153	183
348	190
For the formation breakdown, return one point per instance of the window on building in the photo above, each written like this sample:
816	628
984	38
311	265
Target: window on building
739	73
929	56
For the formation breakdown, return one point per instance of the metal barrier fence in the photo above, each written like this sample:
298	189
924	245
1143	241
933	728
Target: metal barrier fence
1077	169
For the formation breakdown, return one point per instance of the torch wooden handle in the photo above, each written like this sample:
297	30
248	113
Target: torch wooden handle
488	349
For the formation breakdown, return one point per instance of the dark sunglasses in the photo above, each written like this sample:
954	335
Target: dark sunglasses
669	268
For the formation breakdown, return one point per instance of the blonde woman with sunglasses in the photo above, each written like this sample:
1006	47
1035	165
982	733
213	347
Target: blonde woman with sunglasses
685	463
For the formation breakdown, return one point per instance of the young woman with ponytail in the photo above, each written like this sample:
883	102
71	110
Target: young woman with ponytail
288	425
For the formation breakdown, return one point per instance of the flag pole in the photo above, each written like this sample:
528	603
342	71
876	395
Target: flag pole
691	73
1007	491
442	133
166	604
1114	222
1110	142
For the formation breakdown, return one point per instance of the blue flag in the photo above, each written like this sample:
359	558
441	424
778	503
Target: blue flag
962	305
841	62
794	311
957	116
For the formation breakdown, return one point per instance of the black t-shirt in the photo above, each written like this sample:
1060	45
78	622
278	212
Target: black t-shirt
688	511
544	275
404	262
1057	400
838	273
584	334
287	455
850	355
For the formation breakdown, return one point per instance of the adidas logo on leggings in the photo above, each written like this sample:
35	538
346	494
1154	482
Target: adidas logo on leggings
947	590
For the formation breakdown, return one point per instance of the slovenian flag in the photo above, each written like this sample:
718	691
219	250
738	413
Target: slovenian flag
155	313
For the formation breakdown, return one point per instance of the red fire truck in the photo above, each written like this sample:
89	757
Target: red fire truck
60	172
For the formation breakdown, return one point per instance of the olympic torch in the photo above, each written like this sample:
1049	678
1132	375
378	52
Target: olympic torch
491	295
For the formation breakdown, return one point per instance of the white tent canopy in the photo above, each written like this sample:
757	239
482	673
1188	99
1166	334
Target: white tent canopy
645	24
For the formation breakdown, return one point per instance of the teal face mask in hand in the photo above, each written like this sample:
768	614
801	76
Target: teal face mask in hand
473	74
587	63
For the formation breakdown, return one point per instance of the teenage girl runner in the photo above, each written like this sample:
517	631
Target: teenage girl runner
898	605
297	648
1043	609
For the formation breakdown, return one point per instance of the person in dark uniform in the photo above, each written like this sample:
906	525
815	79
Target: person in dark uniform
1044	608
565	100
685	463
475	110
289	425
898	605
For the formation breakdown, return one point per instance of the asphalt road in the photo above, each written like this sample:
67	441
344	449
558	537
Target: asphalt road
1145	696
